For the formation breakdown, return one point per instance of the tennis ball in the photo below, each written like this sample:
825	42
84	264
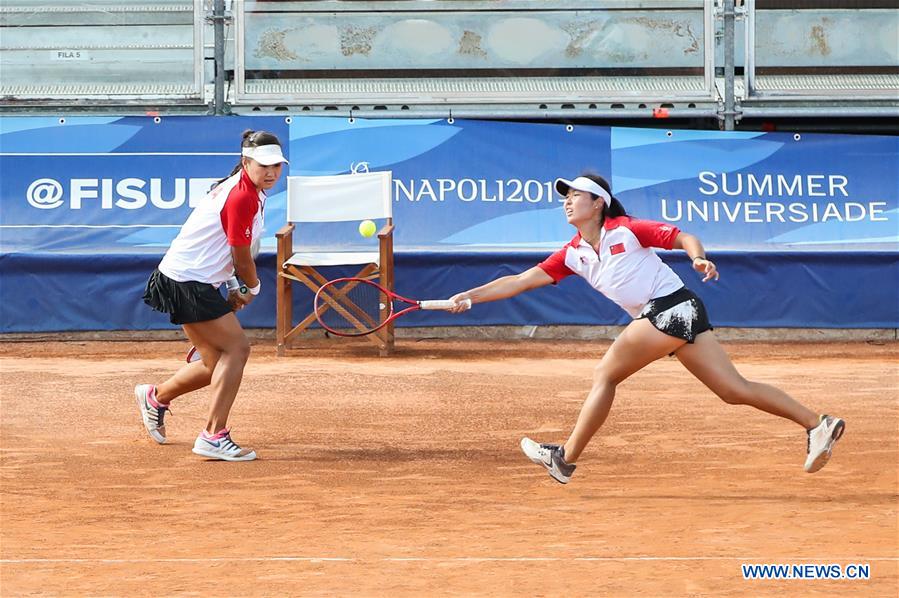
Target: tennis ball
367	228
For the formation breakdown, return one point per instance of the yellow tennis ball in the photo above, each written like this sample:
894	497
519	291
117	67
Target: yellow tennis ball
367	228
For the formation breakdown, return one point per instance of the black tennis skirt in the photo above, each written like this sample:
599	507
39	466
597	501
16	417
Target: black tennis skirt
185	302
680	314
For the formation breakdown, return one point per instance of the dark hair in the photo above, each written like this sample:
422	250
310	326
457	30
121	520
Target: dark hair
615	209
250	139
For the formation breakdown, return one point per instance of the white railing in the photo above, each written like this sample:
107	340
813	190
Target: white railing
579	59
102	53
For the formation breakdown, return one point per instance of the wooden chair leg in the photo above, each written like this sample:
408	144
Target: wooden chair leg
386	280
284	312
283	288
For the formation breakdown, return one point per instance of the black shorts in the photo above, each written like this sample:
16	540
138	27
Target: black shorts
185	302
680	314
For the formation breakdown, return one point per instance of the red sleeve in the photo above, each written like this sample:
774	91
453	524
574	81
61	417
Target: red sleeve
555	266
237	216
654	234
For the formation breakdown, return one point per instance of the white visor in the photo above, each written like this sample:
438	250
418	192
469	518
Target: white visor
583	184
265	154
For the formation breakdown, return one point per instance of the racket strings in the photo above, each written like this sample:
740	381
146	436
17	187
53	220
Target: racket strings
353	305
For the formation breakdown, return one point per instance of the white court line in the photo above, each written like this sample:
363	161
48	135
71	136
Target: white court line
461	559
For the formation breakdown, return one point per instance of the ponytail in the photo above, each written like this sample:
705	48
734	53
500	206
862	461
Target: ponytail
615	209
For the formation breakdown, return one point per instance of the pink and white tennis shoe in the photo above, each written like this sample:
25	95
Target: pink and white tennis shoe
151	412
220	446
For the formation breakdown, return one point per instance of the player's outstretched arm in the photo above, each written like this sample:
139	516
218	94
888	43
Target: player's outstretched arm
505	287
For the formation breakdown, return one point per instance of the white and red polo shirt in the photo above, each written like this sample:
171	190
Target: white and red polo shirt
626	269
231	214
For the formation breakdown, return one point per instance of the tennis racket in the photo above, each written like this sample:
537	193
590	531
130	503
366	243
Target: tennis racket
357	306
193	355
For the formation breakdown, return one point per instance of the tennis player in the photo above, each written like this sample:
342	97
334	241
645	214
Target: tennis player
213	243
613	252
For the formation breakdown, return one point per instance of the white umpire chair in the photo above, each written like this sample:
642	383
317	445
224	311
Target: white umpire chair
335	198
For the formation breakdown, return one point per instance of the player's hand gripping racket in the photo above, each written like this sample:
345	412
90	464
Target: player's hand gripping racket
356	306
234	285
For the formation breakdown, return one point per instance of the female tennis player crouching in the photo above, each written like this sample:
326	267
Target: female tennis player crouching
214	243
612	251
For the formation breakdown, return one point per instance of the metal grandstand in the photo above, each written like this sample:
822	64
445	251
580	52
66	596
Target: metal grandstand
514	59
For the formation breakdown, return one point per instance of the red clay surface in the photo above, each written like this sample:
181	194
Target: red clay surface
402	476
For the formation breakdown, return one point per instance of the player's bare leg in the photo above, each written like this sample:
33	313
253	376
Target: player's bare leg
222	337
154	401
707	360
192	376
225	339
637	346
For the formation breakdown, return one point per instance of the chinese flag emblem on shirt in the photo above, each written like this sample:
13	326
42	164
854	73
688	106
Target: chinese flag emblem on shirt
616	248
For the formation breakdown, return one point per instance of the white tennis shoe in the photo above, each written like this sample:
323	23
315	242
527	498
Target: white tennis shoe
153	417
550	456
220	446
821	439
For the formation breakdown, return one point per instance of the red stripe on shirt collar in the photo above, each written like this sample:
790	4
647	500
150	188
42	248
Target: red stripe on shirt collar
608	224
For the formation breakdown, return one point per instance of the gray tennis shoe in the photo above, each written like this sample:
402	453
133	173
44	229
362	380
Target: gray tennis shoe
821	439
550	456
153	417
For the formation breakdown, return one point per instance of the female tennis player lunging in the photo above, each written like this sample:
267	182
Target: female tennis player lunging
213	243
612	251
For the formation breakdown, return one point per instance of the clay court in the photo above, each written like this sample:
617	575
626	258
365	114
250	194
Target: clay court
402	476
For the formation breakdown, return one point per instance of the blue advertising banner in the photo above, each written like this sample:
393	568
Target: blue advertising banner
763	190
480	184
110	184
127	184
97	200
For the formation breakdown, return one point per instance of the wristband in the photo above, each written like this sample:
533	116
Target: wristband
699	257
255	290
232	284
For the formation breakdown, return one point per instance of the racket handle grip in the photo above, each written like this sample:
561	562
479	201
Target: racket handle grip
443	304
